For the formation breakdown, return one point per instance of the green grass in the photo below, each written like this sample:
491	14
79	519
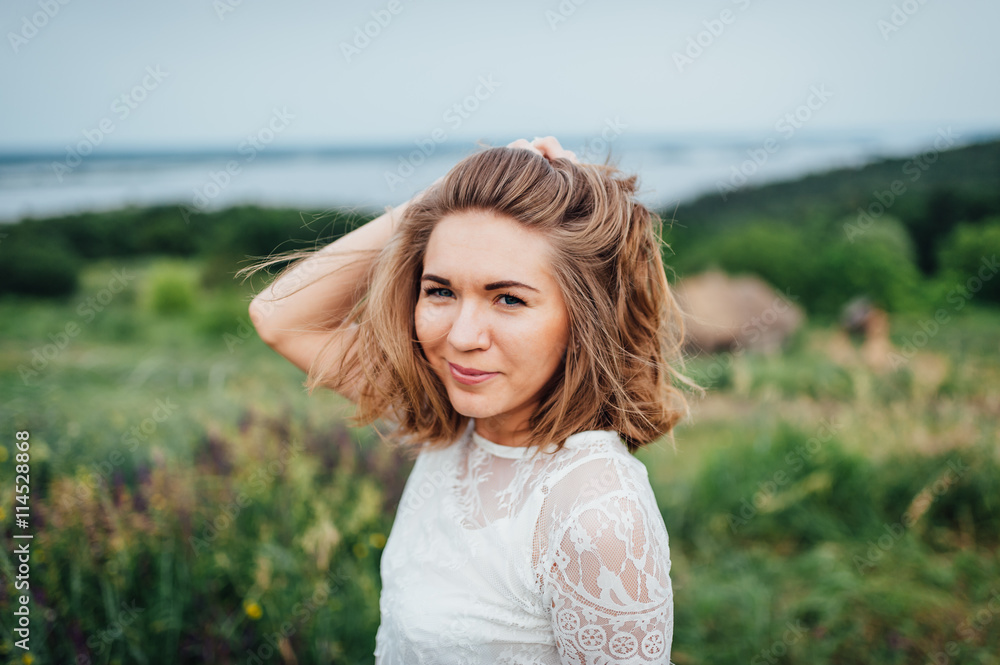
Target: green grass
171	529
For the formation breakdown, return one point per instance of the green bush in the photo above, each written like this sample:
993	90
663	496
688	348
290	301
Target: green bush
779	253
226	317
957	495
790	486
787	487
163	230
171	288
252	231
823	268
37	266
878	263
968	259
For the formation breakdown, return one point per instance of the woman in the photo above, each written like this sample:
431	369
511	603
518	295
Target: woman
514	321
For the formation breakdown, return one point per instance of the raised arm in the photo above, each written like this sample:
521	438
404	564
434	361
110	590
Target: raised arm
300	311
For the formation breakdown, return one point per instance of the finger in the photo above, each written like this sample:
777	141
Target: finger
524	144
550	148
548	144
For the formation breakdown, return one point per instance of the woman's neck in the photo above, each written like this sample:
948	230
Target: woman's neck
504	430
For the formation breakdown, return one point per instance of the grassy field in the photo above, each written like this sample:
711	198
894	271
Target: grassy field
191	503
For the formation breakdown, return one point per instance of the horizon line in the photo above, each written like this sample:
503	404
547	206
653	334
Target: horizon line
677	140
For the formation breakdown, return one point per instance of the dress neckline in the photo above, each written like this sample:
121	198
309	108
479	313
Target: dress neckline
512	452
520	452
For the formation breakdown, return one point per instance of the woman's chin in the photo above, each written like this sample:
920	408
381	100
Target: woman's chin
472	406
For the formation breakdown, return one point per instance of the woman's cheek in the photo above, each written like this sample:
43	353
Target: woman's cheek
427	322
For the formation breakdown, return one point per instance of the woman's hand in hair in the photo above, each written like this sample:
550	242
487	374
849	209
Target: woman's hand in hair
547	147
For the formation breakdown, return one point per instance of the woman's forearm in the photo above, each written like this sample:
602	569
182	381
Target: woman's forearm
319	291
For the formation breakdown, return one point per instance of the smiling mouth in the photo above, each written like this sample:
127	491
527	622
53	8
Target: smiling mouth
469	376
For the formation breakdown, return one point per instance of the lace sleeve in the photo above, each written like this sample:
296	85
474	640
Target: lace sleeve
608	584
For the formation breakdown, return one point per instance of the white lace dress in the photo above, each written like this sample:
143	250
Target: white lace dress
495	558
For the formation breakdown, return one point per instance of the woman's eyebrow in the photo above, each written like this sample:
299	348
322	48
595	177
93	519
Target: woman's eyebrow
506	284
434	278
492	286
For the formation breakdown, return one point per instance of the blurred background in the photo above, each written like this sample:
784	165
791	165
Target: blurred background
829	181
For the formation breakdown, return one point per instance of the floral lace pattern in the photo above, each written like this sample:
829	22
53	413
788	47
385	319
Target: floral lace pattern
496	556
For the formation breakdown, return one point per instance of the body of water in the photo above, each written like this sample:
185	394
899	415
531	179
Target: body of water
671	169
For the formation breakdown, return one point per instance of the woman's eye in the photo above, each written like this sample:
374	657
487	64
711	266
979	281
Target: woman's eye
511	300
438	291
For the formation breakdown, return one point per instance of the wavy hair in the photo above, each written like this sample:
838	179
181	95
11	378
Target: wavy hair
626	329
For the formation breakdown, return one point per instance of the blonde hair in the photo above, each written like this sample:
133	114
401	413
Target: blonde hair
626	329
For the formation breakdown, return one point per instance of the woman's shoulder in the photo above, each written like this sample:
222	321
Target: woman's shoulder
596	465
600	448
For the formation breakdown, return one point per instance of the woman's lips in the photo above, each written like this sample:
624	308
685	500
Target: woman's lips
469	376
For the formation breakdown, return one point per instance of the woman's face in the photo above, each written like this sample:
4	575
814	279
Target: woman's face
489	305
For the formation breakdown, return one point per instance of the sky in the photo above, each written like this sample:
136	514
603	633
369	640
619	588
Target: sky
207	74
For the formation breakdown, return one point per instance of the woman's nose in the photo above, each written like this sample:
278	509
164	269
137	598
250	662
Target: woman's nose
470	329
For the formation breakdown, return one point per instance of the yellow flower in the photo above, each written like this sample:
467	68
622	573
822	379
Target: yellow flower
27	659
253	610
377	540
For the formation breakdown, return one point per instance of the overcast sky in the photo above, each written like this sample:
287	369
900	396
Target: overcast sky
189	73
